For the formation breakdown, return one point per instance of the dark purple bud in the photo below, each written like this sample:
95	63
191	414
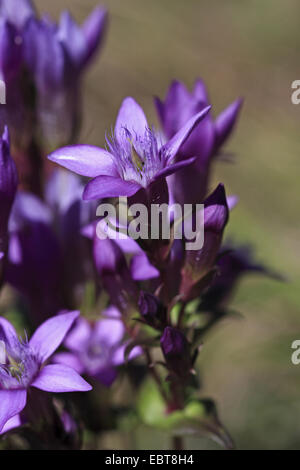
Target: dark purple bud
151	309
199	263
176	351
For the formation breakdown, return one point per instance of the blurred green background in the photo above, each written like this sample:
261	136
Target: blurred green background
240	48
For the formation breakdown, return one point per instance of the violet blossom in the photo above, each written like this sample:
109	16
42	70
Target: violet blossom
190	185
135	159
24	365
97	350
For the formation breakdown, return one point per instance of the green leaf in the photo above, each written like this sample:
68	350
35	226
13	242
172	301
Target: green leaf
198	418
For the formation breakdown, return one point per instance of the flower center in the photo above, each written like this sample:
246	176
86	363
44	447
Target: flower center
18	366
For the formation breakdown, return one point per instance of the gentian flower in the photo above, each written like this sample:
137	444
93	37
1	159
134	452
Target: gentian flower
135	158
97	350
49	261
189	186
23	365
233	263
56	57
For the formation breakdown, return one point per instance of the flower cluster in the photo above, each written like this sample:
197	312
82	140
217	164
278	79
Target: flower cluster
149	301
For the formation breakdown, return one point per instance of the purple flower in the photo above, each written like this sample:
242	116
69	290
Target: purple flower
190	185
200	263
97	350
8	188
10	52
135	158
46	248
234	262
56	57
176	351
22	365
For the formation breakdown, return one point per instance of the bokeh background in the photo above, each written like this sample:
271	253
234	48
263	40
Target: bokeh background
240	48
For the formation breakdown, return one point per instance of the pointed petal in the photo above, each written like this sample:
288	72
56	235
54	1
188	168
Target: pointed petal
172	147
79	336
12	423
132	117
59	378
141	269
85	160
226	121
7	332
12	402
109	331
109	186
94	29
169	170
70	360
200	91
51	333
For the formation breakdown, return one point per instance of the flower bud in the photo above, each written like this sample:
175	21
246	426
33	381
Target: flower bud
176	351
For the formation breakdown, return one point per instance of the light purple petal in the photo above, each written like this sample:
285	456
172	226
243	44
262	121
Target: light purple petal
169	170
12	402
85	160
51	333
59	378
226	121
200	91
70	360
109	186
119	355
12	423
7	332
172	147
232	201
141	269
109	331
132	117
94	29
79	335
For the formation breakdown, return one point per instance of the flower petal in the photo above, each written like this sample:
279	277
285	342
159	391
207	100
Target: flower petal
70	360
78	337
141	269
59	378
109	186
12	402
172	147
169	170
12	423
7	332
85	160
225	122
132	117
51	333
94	30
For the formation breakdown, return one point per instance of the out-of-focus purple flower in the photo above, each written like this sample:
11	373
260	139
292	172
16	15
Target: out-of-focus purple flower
233	263
97	350
176	351
8	188
189	186
56	56
49	260
23	365
199	263
135	158
152	310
